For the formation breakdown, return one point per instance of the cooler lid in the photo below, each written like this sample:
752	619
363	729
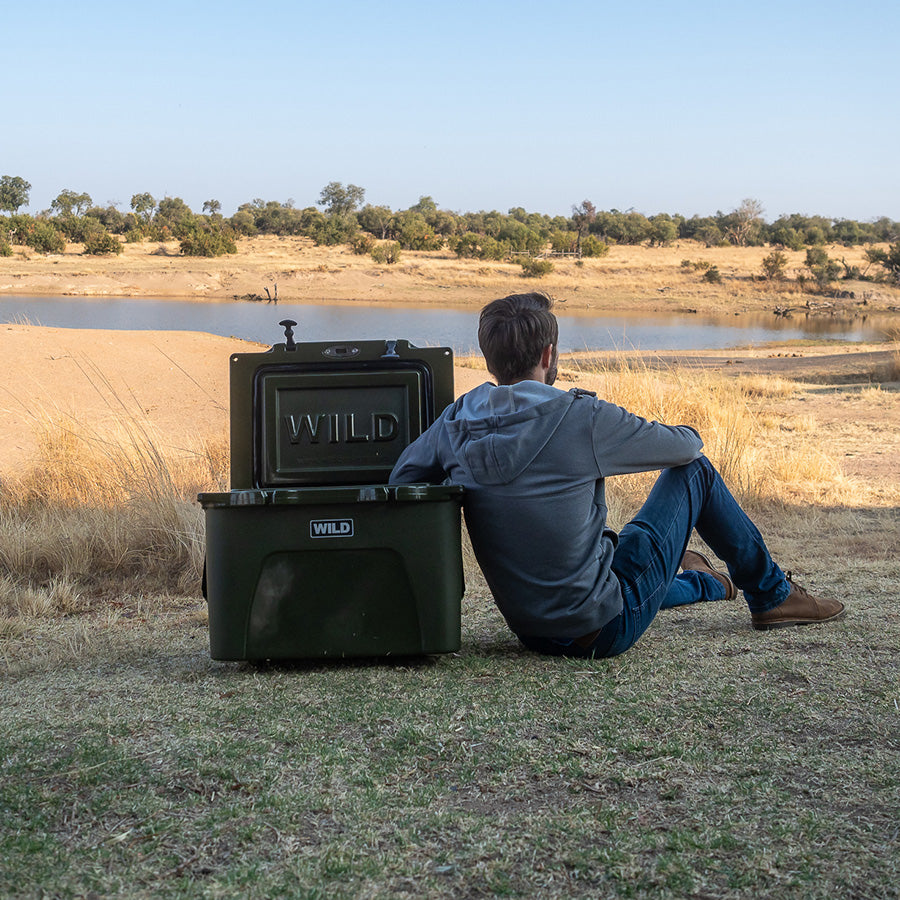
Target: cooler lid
317	413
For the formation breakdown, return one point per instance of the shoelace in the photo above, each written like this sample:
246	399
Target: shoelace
796	587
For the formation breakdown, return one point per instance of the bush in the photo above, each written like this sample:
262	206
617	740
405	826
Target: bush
712	275
824	269
536	268
45	238
5	248
593	246
774	265
388	253
98	243
208	243
362	244
134	236
889	259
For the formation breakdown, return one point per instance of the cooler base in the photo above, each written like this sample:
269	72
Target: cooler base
392	589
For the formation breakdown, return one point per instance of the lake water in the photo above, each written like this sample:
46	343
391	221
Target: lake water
430	326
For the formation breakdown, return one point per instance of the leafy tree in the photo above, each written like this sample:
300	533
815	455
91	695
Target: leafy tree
786	236
242	223
413	232
518	236
211	206
68	203
143	206
14	192
112	219
745	223
663	229
375	219
426	206
173	218
332	230
711	235
583	217
564	241
339	200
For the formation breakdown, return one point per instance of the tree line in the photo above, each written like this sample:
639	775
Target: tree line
341	216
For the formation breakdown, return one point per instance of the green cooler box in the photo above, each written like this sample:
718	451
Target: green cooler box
312	554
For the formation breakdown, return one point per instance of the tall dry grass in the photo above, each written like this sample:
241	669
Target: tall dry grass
96	512
738	439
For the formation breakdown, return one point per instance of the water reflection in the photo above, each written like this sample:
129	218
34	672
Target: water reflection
432	326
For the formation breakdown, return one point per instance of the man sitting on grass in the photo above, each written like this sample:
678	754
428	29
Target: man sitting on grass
533	460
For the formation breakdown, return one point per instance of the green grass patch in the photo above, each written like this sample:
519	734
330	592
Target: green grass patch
709	761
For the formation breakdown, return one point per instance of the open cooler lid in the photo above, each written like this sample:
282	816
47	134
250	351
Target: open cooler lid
316	413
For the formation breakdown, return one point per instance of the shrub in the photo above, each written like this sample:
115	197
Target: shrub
208	243
134	236
593	246
465	246
388	253
98	243
774	265
824	269
45	238
362	244
889	259
712	275
536	268
5	248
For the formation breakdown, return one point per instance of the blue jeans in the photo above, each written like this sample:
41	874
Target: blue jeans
650	550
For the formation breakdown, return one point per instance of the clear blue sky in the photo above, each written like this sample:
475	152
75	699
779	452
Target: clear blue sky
657	106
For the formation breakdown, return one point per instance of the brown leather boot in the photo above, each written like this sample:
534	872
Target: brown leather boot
699	563
798	608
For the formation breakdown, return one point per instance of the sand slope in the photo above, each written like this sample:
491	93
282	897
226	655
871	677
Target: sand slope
175	381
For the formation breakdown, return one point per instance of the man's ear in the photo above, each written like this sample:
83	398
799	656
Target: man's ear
547	356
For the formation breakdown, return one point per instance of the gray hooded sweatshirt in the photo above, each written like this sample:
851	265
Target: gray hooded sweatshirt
532	460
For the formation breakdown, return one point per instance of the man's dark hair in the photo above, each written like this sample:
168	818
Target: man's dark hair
513	332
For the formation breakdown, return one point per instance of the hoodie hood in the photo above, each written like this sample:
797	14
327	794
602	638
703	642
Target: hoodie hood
499	430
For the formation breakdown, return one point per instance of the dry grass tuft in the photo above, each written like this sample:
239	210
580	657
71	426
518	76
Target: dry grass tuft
98	508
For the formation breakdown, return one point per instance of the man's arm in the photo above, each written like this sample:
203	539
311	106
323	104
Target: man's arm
419	462
626	443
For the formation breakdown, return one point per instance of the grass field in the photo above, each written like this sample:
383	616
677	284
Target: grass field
711	761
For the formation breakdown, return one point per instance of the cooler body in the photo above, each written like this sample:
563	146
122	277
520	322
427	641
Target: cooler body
312	554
